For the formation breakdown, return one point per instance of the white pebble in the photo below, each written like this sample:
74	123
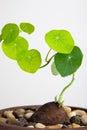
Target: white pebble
39	125
67	109
30	126
71	114
80	112
28	115
84	119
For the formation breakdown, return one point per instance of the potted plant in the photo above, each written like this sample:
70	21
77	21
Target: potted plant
66	59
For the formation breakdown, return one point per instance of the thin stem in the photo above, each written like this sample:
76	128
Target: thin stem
59	99
46	59
44	64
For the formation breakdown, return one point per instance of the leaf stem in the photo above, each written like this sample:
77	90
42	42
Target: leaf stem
46	59
59	98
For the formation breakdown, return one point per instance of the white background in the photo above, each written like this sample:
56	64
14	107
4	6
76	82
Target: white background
20	88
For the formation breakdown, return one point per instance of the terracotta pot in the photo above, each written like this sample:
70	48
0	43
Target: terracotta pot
4	126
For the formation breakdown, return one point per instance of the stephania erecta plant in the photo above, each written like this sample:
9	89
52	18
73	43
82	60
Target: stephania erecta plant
66	60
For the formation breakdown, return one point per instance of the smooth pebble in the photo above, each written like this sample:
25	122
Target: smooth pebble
28	115
84	119
39	125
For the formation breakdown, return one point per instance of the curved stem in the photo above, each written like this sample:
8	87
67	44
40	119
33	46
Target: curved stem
44	64
46	59
59	99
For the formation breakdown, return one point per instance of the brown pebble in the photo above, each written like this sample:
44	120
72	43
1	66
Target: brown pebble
71	114
67	109
75	125
3	120
79	112
9	114
29	111
20	111
54	126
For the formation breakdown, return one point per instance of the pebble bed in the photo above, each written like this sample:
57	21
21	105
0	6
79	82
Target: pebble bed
20	117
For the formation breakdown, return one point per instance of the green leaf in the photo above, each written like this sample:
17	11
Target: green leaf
0	38
10	32
67	64
29	60
53	69
21	44
27	27
12	49
60	41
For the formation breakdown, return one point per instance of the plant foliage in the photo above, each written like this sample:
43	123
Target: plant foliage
67	57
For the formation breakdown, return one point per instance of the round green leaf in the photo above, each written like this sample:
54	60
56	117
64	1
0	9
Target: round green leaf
67	64
9	32
60	41
12	49
21	44
27	27
29	60
53	69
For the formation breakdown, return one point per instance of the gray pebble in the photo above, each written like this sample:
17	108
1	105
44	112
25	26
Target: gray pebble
75	119
22	122
12	121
